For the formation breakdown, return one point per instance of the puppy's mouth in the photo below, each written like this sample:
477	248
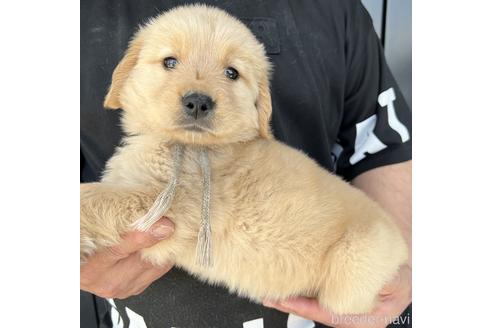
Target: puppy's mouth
195	127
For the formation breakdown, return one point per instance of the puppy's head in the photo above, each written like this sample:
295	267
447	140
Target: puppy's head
195	75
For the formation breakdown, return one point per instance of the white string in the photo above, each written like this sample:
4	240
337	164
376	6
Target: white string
204	244
163	202
165	198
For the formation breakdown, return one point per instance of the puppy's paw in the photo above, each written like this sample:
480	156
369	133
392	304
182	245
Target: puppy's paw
91	243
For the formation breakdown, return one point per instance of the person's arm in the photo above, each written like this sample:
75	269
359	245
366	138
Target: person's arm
391	187
118	271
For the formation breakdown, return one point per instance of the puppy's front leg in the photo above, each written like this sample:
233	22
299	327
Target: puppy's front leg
106	211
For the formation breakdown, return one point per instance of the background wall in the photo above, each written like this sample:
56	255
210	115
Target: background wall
393	22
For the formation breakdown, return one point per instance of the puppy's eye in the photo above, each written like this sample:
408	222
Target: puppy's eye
231	73
170	62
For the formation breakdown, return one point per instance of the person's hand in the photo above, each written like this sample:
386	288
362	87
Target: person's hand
393	300
118	271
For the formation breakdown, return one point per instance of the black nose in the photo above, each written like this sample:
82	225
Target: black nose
197	105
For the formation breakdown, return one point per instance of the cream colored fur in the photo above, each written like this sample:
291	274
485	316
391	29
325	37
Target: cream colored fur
281	225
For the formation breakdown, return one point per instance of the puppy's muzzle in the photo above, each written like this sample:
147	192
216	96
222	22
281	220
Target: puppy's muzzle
197	105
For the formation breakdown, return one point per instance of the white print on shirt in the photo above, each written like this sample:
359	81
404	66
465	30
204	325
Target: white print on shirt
136	320
366	141
257	323
295	321
387	98
115	315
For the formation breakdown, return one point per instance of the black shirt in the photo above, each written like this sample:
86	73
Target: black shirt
333	97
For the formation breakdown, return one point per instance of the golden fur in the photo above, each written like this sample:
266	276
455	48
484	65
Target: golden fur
281	225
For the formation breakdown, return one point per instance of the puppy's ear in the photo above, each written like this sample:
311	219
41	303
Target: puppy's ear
121	73
264	106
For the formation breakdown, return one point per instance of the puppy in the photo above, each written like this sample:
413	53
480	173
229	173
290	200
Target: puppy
281	225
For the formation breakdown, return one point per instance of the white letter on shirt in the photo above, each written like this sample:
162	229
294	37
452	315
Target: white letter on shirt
365	140
386	98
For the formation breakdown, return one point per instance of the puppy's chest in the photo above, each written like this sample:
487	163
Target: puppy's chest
152	168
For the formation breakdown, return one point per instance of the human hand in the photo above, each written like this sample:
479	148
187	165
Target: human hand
118	271
393	300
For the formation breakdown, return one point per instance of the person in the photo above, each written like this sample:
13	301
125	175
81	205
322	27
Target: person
333	97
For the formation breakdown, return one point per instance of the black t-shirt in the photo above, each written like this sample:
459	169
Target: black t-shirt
333	97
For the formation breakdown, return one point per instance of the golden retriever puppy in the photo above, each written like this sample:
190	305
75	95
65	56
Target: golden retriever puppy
281	225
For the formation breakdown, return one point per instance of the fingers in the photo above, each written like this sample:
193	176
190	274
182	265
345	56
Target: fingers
130	276
393	300
118	271
303	307
397	295
310	309
401	284
115	281
134	241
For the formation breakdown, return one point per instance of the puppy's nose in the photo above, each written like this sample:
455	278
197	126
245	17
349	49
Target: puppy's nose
197	105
